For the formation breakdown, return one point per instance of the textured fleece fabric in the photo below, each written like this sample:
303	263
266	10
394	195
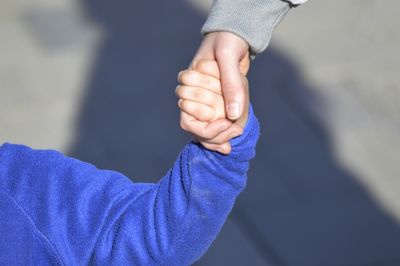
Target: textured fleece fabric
253	20
56	210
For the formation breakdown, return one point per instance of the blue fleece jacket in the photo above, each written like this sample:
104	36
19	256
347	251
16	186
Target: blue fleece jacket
56	210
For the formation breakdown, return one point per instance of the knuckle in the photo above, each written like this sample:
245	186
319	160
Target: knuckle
180	103
218	141
224	52
183	92
185	105
195	63
186	77
231	86
223	140
179	75
203	65
178	90
238	129
231	92
227	149
182	75
205	133
184	125
207	145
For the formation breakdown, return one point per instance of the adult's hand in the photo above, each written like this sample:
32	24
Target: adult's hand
232	55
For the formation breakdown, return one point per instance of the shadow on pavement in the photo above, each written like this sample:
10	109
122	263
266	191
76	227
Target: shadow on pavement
300	208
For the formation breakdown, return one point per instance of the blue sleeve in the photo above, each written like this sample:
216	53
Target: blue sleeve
91	216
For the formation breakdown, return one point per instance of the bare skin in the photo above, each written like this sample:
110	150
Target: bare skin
202	105
231	53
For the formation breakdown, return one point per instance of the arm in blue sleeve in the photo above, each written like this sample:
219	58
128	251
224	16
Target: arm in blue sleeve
83	215
176	220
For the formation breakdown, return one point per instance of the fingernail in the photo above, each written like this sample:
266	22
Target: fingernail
233	111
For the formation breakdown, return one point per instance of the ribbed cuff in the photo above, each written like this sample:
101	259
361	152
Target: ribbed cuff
252	20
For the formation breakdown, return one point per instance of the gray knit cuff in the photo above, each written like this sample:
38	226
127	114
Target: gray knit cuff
252	20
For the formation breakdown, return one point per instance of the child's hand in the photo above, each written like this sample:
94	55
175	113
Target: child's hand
203	109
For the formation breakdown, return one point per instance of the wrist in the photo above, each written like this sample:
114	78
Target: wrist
253	22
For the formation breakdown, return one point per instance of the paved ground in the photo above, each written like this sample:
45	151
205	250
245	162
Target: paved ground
79	76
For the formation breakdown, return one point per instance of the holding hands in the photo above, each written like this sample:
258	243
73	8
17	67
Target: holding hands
232	56
203	108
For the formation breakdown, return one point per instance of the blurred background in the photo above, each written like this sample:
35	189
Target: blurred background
95	79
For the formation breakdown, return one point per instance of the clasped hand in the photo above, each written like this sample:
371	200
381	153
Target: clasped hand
202	107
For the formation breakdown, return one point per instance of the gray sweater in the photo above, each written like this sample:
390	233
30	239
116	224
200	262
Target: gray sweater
253	20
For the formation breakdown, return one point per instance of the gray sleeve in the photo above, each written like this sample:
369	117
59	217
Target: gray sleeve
253	20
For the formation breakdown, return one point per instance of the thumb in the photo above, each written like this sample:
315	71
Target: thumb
233	90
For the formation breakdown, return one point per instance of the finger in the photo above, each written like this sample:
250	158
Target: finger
197	79
204	130
244	64
200	95
205	51
202	112
201	129
207	67
225	136
232	88
224	148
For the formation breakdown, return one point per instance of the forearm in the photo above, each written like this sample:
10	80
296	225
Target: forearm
200	192
93	216
174	221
